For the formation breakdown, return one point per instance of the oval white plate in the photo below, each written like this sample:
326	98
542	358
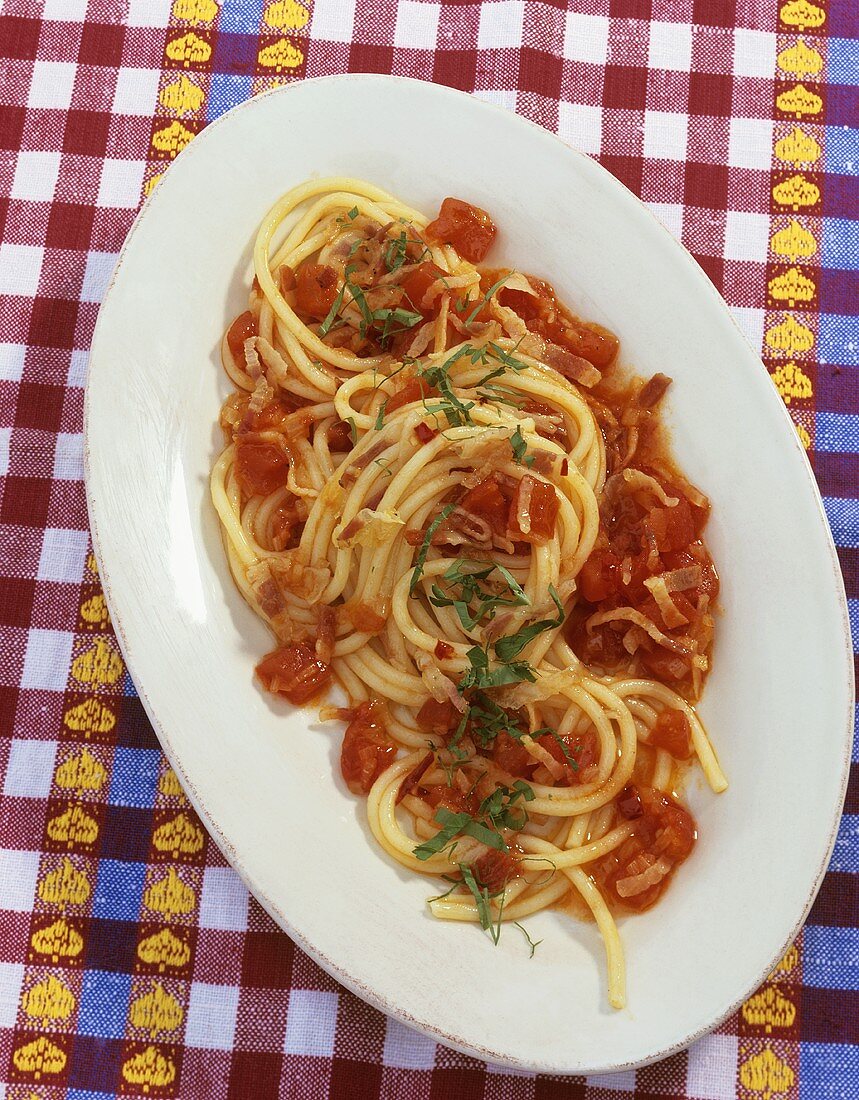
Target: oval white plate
265	778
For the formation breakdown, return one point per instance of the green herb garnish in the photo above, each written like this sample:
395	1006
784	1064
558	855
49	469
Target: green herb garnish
533	944
511	646
418	570
471	591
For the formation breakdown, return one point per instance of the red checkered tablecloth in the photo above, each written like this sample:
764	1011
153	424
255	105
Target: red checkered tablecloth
132	961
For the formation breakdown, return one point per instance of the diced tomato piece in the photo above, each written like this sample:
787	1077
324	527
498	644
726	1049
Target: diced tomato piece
469	229
542	509
629	802
243	328
261	467
526	305
673	733
673	528
340	436
316	289
367	749
583	749
555	431
603	646
436	717
591	342
414	777
452	798
696	554
414	390
416	283
671	826
488	501
286	279
666	666
424	432
512	756
598	578
493	870
295	672
443	650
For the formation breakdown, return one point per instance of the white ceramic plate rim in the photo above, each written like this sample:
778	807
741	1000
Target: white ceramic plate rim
114	602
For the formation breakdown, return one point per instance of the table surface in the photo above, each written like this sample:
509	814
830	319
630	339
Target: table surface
126	969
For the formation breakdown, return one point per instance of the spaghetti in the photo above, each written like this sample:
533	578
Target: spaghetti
438	493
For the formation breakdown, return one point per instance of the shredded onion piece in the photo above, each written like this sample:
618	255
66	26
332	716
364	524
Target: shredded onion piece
422	340
668	609
647	625
632	885
369	528
523	504
681	580
637	479
350	474
553	766
439	686
252	361
293	575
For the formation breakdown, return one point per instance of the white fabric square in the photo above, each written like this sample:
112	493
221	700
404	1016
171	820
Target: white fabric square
63	555
665	135
52	84
671	216
586	38
711	1068
5	447
333	20
670	46
65	11
148	13
11	979
77	368
754	53
407	1049
20	267
12	362
211	1020
620	1082
30	769
580	125
501	97
417	25
501	25
36	176
46	660
746	236
18	874
751	142
136	91
99	268
751	322
224	903
69	456
311	1021
120	183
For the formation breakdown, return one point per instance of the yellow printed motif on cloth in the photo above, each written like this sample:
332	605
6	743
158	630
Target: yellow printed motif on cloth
73	827
802	14
163	949
59	940
792	383
170	896
150	1068
280	55
195	11
796	192
190	49
799	101
40	1057
800	59
65	886
90	717
81	772
792	287
100	664
791	336
286	15
179	836
766	1074
769	1008
156	1011
182	96
798	148
793	241
94	611
49	1000
169	785
172	139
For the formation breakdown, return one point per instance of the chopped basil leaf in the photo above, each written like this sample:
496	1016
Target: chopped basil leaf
417	573
353	213
481	900
511	646
533	944
331	316
353	430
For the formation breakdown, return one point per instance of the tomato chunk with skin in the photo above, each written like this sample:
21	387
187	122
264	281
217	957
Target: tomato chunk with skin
672	732
295	672
469	229
512	756
436	717
452	798
488	501
340	437
261	467
315	289
416	389
243	328
416	283
539	501
367	749
584	750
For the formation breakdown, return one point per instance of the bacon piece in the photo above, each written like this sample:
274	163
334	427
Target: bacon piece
652	391
571	366
414	777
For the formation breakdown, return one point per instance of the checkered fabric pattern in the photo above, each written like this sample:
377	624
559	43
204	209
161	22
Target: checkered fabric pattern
132	961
